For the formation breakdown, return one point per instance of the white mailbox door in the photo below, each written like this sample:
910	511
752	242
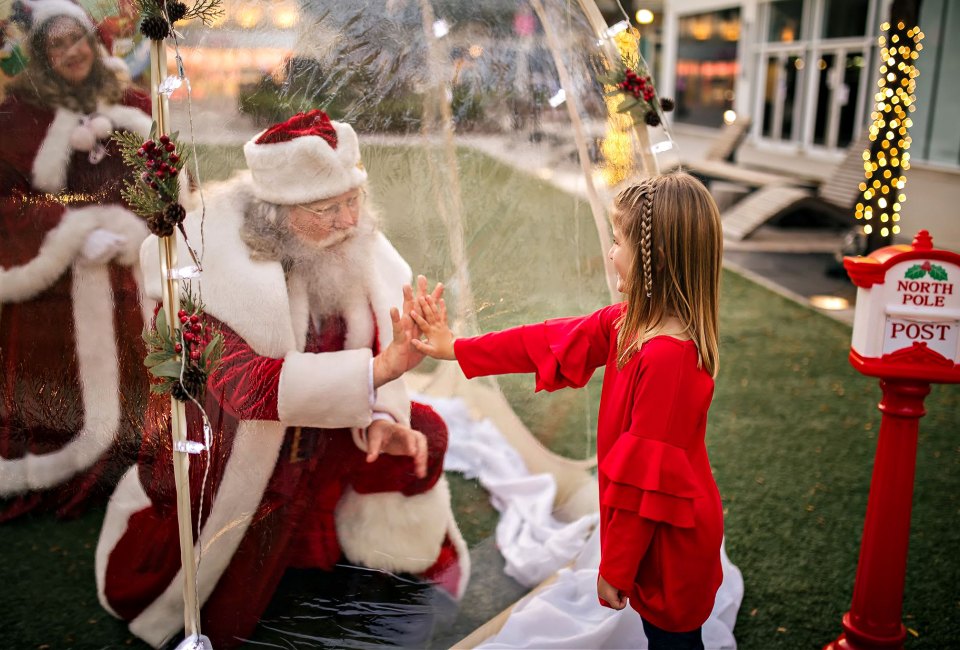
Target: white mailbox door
939	337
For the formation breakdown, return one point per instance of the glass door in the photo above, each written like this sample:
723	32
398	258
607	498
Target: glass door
782	96
839	79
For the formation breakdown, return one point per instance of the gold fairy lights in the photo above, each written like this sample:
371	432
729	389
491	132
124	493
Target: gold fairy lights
895	99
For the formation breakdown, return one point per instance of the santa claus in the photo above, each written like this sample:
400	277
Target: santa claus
70	311
301	283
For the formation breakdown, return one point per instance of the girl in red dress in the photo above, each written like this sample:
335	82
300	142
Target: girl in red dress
661	521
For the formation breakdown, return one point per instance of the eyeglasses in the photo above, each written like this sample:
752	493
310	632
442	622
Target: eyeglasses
330	210
62	43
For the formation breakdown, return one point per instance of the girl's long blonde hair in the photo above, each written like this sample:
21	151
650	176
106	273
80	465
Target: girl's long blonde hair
672	224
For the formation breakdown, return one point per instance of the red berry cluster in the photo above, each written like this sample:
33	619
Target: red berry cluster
162	161
195	334
637	86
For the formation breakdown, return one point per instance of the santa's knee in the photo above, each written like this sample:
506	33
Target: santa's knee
394	531
407	527
416	534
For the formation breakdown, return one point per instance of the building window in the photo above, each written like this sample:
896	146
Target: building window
782	92
707	66
935	134
845	18
786	17
838	90
812	85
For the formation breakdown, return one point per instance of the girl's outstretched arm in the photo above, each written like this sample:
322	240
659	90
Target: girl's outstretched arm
562	352
432	321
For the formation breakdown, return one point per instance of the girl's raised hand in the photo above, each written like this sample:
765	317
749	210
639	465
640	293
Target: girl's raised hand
432	321
411	304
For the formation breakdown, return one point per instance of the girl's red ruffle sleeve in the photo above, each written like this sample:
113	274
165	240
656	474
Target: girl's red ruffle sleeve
651	478
563	352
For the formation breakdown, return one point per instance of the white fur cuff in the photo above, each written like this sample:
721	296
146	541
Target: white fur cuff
327	390
393	532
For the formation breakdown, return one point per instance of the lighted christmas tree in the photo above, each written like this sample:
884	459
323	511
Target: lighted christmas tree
887	159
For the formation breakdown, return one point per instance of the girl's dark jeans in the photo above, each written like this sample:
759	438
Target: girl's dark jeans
663	640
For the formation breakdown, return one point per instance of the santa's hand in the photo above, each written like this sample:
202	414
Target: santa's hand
385	437
609	595
101	246
399	355
431	318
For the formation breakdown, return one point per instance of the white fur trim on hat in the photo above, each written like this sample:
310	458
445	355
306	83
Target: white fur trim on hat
305	169
43	10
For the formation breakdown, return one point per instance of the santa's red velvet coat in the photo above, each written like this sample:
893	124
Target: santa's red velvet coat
288	485
661	522
72	388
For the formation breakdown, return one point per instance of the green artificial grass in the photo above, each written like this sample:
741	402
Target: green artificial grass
791	437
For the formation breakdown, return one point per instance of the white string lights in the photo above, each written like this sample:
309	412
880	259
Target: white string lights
883	187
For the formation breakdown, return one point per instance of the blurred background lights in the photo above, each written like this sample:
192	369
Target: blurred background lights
285	15
441	28
831	303
248	16
644	16
558	98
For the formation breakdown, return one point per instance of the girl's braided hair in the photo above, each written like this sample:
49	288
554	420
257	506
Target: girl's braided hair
638	200
671	224
646	235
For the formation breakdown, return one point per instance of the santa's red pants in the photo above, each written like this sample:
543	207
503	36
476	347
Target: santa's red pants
293	526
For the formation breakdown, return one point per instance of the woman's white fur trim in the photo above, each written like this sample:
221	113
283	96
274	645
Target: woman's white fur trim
53	157
97	365
62	245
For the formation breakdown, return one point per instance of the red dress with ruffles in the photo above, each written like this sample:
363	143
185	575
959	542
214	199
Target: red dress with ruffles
661	522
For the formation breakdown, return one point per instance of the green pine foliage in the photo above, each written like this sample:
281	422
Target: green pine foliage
169	366
149	194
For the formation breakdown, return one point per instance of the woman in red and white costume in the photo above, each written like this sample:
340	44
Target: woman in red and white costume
302	284
72	386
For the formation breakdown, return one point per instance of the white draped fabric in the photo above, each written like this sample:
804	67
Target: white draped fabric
536	545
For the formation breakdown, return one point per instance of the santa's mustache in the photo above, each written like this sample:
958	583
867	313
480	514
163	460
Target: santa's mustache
341	246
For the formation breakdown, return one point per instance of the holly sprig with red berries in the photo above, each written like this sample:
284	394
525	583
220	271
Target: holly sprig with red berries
182	361
631	79
935	271
155	191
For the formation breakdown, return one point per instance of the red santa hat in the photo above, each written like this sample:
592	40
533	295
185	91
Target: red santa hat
305	159
36	12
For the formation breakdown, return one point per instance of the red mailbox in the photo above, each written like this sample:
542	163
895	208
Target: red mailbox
906	331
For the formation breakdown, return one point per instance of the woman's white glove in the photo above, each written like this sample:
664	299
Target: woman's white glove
102	246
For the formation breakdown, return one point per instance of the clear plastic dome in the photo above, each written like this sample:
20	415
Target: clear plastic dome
492	149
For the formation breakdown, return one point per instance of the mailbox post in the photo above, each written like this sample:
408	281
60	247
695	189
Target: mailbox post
907	333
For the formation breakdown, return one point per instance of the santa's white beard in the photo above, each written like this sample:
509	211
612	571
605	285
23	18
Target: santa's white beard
336	275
